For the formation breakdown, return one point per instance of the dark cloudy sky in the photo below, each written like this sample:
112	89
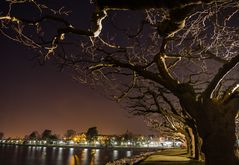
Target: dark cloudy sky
34	97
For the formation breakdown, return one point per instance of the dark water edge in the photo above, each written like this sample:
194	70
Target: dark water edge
42	155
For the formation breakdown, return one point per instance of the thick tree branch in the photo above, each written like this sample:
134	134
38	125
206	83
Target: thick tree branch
142	72
222	72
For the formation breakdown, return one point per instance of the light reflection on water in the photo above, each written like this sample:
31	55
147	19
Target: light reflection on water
128	153
38	155
84	156
96	155
115	154
60	156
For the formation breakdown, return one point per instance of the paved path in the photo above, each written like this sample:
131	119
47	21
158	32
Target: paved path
170	157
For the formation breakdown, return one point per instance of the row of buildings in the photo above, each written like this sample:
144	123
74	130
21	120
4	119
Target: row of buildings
102	141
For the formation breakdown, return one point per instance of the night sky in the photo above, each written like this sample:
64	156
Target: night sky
34	97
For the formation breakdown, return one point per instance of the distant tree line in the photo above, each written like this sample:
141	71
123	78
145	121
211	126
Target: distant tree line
45	135
1	135
48	135
91	135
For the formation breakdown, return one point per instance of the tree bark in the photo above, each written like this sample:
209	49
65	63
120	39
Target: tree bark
218	134
218	148
189	139
197	145
194	143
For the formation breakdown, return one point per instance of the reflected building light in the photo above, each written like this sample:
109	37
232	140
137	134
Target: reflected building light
44	151
93	152
60	149
71	158
30	155
71	152
97	156
128	153
15	151
84	157
39	147
29	148
74	160
59	155
43	154
33	150
115	154
92	159
54	153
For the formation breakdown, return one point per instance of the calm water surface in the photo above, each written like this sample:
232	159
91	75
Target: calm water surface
35	155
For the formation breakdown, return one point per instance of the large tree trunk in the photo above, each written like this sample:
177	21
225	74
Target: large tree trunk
190	141
218	146
219	149
217	129
215	122
196	142
198	145
193	143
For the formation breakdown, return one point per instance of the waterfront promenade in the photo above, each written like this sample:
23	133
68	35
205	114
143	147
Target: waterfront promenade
173	156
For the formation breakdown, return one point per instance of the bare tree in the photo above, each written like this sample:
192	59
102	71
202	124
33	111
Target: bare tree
34	135
92	133
70	133
161	114
1	135
185	50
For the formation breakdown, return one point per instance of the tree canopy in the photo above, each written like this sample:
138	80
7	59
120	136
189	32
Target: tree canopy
70	133
175	58
1	135
34	135
91	133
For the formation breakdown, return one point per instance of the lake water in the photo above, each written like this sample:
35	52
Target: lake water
36	155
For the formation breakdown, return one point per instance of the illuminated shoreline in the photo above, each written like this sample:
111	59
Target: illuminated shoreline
81	146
